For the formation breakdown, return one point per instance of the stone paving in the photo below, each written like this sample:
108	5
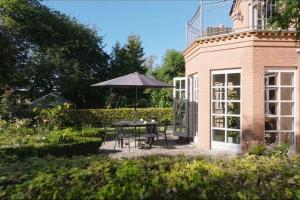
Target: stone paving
175	148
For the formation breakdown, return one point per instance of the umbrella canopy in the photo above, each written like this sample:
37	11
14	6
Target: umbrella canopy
134	80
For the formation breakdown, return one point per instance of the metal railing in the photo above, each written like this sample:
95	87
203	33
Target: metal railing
213	18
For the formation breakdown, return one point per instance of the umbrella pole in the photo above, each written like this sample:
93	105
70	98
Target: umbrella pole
135	98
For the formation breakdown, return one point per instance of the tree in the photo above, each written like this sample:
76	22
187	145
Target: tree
124	60
173	66
128	58
287	15
135	53
59	53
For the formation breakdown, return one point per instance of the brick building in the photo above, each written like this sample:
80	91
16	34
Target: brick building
241	87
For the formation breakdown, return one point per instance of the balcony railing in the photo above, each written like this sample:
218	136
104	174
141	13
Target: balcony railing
213	18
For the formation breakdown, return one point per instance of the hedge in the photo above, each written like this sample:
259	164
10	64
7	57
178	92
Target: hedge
100	117
66	142
250	177
82	147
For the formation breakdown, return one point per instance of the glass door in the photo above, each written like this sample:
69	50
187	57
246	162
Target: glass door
180	106
193	105
226	110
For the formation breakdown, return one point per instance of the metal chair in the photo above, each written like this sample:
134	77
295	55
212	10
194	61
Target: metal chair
164	131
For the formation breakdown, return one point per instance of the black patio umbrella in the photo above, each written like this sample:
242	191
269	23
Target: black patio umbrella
133	80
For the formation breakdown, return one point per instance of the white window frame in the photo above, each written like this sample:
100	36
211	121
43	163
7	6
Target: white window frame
278	101
193	97
225	145
181	89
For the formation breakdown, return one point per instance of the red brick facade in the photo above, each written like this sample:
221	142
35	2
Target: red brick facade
253	53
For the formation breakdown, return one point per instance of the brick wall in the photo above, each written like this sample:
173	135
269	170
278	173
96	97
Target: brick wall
252	55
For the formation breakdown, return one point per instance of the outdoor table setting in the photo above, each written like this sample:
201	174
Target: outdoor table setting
132	130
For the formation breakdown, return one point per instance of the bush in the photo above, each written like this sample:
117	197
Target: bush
66	142
259	150
100	117
77	147
250	177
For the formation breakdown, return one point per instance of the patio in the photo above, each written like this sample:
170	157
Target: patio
174	148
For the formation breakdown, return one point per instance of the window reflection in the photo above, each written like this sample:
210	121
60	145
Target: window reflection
219	135
234	79
233	93
218	80
280	90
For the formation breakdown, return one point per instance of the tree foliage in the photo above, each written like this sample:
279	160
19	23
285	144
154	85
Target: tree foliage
287	15
51	52
127	59
173	66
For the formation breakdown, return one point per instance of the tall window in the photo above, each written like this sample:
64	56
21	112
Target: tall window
279	107
225	102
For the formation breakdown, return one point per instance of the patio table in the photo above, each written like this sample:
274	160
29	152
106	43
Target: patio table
120	126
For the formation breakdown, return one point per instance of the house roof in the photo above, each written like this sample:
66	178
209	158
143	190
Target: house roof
50	100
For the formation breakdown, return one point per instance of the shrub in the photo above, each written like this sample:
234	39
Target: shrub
50	118
100	117
79	146
259	150
250	177
65	142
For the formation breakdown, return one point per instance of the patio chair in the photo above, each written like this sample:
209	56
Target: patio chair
164	132
125	133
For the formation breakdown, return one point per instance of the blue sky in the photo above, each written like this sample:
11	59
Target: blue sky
161	24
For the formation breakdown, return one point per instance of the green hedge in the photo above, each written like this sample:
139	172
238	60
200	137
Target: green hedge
66	142
81	147
100	117
250	177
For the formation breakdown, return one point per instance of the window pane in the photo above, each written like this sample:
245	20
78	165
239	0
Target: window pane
286	123
179	116
180	105
177	95
271	78
233	122
218	121
233	93
182	95
219	135
271	123
182	84
218	94
177	84
287	138
286	109
233	137
271	138
233	108
287	78
218	107
234	79
286	94
271	108
219	79
271	94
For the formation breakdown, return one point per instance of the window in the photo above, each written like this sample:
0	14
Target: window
262	11
225	103
279	107
180	103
